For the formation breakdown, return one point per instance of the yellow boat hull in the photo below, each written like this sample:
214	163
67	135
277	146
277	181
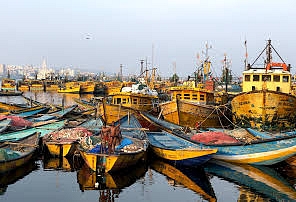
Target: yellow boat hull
191	114
177	155
60	149
264	109
111	162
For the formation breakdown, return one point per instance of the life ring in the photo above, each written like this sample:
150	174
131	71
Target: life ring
277	64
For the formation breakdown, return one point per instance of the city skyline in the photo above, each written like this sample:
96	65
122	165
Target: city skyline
99	36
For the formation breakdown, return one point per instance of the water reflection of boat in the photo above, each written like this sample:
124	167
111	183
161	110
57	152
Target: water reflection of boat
89	180
259	180
62	163
15	175
194	179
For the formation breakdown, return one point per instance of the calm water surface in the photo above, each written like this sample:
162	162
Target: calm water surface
54	179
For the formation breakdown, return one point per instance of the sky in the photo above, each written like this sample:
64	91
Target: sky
98	36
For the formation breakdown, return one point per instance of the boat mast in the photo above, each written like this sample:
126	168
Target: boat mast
268	52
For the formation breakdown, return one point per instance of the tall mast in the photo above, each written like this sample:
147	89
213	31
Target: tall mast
268	52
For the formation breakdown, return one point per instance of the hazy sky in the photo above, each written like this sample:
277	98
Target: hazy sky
97	35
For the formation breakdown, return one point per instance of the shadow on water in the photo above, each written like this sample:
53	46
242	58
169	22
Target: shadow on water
193	178
254	181
15	175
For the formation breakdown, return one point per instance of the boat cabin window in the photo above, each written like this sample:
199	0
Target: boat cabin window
118	101
266	77
194	96
276	78
135	101
285	78
124	101
202	97
256	77
187	96
278	89
247	77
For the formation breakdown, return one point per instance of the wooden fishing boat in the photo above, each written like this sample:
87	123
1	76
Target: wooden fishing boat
70	87
8	84
42	130
87	87
267	101
51	85
7	107
129	152
24	85
63	142
36	85
194	179
59	114
261	180
259	152
113	86
136	98
10	93
196	104
123	157
177	149
89	180
31	111
16	154
100	89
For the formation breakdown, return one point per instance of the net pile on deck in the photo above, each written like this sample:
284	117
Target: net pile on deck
214	137
17	122
68	134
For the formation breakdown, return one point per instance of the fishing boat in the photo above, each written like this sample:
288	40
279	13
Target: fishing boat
113	86
258	152
263	181
70	87
36	85
51	85
196	104
6	107
63	142
179	150
42	130
59	114
87	87
129	151
267	101
8	84
16	154
24	85
139	97
194	179
100	89
30	111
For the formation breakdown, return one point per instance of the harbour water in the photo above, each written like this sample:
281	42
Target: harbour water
61	179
